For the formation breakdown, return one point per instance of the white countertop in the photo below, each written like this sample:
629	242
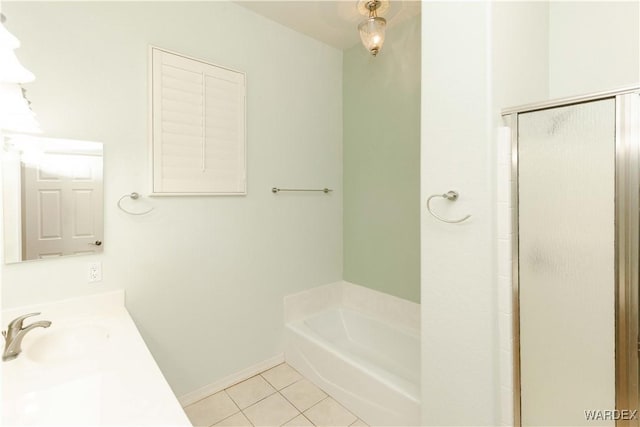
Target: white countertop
90	367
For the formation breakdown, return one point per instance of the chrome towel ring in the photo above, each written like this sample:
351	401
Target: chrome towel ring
132	196
449	195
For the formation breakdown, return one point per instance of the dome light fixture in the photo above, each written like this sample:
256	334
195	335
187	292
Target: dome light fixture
372	29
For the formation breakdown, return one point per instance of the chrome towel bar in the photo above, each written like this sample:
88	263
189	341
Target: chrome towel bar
276	190
449	195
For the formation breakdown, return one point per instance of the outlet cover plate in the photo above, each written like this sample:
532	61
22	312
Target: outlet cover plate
95	272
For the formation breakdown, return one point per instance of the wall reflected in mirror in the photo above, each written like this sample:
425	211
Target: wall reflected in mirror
52	198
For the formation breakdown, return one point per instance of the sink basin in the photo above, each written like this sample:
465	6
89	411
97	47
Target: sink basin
67	343
89	368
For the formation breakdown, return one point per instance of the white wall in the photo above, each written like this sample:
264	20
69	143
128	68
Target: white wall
594	46
473	65
457	276
204	276
477	59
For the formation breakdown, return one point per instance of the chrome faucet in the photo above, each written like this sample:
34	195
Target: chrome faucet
15	333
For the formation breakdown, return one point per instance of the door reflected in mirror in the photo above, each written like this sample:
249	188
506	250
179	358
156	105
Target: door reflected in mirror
52	198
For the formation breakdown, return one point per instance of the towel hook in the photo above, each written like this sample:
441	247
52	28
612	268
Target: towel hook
132	196
449	195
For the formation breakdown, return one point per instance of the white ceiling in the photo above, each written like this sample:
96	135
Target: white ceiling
333	22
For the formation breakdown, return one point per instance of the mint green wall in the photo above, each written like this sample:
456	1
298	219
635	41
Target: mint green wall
381	125
205	277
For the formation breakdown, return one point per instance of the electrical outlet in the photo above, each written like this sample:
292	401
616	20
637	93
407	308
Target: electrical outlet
95	272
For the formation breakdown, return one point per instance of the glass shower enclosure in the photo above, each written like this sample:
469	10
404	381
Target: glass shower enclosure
576	185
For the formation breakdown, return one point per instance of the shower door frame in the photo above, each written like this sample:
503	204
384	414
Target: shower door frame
627	248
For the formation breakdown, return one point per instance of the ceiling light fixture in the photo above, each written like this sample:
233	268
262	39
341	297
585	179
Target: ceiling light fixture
372	29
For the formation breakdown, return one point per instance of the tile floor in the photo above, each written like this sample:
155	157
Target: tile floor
279	396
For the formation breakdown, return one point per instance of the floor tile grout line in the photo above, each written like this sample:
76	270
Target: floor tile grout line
339	404
291	403
250	378
299	413
235	413
306	418
347	409
247	379
278	389
259	374
268	382
248	419
280	364
302	410
295	382
227	388
200	400
231	398
258	401
277	392
317	403
327	395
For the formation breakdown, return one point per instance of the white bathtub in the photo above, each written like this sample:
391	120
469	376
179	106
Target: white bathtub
369	365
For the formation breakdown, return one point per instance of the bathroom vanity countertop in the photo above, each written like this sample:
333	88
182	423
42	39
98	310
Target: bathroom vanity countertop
90	367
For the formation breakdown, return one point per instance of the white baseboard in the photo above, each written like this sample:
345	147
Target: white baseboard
209	389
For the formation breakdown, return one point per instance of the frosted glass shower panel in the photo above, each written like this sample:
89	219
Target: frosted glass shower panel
566	208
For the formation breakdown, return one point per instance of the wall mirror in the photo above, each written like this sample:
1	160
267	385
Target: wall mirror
52	198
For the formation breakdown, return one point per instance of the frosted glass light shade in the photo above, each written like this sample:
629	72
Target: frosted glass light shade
11	71
372	33
8	40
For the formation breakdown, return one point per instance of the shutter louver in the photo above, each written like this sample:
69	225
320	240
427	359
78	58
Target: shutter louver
198	141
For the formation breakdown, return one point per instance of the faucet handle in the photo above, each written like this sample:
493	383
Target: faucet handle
16	324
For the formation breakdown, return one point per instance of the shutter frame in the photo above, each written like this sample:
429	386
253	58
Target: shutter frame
184	119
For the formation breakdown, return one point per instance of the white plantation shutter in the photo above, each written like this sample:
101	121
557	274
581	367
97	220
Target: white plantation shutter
198	130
